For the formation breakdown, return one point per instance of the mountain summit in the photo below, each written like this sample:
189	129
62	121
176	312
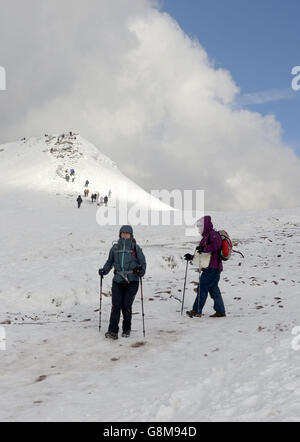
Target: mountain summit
44	163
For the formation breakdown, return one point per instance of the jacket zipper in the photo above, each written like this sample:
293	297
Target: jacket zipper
123	256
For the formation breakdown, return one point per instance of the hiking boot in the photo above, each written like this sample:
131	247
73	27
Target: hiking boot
111	335
193	314
126	334
218	315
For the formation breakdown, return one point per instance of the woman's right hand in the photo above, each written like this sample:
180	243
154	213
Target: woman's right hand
188	257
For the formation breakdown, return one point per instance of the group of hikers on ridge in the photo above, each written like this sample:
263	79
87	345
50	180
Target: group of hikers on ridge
129	263
95	197
70	174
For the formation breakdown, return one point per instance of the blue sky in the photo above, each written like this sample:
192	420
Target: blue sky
258	41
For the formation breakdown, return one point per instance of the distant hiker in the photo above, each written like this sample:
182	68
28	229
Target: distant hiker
105	201
72	172
67	178
101	200
97	198
129	264
79	201
73	179
93	198
87	183
211	243
109	194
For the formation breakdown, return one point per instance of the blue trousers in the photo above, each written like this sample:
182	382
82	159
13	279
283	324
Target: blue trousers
209	284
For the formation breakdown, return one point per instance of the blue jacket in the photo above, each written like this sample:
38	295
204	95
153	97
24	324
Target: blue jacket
125	256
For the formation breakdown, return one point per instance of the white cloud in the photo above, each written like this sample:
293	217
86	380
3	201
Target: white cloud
128	78
265	96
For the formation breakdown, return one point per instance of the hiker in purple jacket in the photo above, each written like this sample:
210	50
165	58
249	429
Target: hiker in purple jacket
211	243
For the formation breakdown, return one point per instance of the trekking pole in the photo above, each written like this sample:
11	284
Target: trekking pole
186	270
142	299
100	309
200	270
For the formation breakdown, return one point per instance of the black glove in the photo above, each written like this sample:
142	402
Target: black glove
200	249
101	272
188	257
139	271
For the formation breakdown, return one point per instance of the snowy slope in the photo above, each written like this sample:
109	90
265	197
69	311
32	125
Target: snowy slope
58	367
31	165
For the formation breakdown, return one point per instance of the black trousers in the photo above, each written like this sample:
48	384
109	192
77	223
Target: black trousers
123	295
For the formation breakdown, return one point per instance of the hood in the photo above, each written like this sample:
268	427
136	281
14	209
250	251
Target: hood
206	225
126	229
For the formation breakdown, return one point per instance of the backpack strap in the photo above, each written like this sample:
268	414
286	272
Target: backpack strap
240	253
219	253
134	247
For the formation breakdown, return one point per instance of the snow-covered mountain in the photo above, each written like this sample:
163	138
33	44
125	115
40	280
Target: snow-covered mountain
41	164
57	366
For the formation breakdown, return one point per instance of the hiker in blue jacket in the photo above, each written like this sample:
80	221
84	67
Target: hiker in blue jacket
129	264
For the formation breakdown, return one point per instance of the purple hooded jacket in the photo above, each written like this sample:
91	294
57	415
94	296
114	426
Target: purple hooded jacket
212	243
